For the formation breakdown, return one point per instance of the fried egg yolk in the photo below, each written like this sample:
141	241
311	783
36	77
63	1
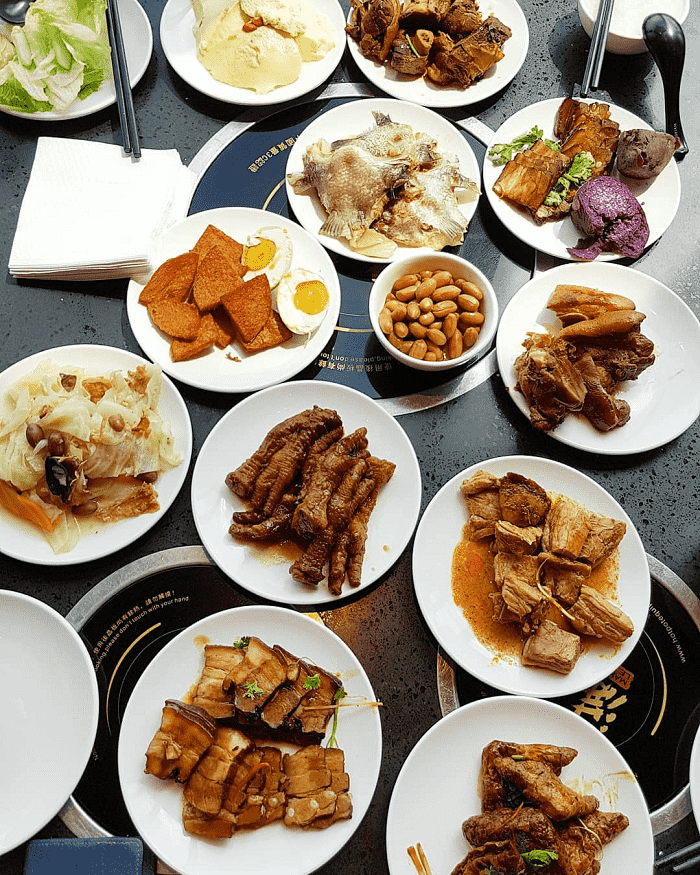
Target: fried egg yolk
268	251
302	301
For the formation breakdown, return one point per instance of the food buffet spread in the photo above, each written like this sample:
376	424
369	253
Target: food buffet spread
364	492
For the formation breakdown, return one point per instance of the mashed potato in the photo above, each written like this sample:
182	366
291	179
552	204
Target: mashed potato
260	44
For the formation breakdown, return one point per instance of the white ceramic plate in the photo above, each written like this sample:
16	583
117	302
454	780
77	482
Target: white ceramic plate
214	370
155	806
24	541
437	787
138	44
177	39
428	94
439	532
694	778
355	117
659	197
236	437
48	718
657	417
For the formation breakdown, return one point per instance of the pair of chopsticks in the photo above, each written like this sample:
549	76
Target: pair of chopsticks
599	38
122	83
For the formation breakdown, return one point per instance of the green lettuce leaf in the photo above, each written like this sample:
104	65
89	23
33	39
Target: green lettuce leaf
579	171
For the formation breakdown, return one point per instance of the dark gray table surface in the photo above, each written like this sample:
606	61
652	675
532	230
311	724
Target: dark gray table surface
658	489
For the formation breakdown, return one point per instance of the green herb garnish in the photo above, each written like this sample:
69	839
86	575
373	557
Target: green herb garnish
252	689
501	153
411	46
338	696
539	857
579	171
242	642
313	682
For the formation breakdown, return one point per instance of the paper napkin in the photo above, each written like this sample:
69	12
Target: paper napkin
91	212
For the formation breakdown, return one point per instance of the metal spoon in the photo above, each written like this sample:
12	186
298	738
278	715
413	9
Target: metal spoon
14	11
665	40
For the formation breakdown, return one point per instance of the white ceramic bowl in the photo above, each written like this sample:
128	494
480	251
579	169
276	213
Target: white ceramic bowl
48	716
460	269
625	34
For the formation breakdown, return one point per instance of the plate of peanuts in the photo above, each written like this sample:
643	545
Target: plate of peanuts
433	311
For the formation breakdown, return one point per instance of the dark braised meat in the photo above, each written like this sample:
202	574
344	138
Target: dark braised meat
523	502
254	795
185	733
581	841
563	577
464	62
462	17
540	785
481	492
531	826
423	13
410	52
254	678
374	25
502	857
493	790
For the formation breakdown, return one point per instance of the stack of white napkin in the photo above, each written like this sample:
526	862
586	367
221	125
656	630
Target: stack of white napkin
91	212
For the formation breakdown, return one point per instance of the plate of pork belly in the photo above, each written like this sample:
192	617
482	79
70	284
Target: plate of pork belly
533	152
306	493
470	53
252	761
517	766
597	356
531	576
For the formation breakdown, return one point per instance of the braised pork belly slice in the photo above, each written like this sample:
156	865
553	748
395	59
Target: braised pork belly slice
206	826
552	647
523	501
493	792
206	786
516	577
310	719
502	856
563	577
528	178
593	614
255	677
209	693
255	796
566	528
317	787
519	540
540	785
185	733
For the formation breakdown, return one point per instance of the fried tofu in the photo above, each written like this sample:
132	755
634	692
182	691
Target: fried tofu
232	249
215	276
183	350
272	334
176	318
249	305
173	279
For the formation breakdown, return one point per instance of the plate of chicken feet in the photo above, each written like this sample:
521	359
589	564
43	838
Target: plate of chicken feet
306	493
571	795
531	576
377	179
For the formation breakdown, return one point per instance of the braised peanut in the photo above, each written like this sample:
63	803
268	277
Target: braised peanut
432	316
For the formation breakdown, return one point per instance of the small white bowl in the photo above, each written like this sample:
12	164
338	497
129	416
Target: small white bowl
460	269
48	716
625	34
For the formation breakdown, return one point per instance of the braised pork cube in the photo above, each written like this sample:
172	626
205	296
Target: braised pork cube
566	528
523	502
255	796
540	784
185	733
563	577
493	857
253	679
209	693
492	787
520	540
206	786
593	614
516	577
552	647
483	505
317	787
206	826
501	612
604	537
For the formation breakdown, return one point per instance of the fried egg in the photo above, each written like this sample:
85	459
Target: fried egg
268	251
302	300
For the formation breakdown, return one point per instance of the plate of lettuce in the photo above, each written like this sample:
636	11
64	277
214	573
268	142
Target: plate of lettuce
58	65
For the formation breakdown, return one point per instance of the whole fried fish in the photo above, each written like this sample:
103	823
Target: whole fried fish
427	213
352	184
388	139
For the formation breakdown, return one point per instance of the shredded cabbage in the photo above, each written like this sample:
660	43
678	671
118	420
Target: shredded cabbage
60	54
113	434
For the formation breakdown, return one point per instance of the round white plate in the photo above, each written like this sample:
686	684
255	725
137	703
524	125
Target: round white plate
177	38
659	197
22	540
155	806
238	435
138	44
215	371
355	117
449	795
48	718
428	94
694	778
439	532
657	417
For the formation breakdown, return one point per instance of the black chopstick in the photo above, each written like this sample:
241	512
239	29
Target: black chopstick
599	38
122	83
